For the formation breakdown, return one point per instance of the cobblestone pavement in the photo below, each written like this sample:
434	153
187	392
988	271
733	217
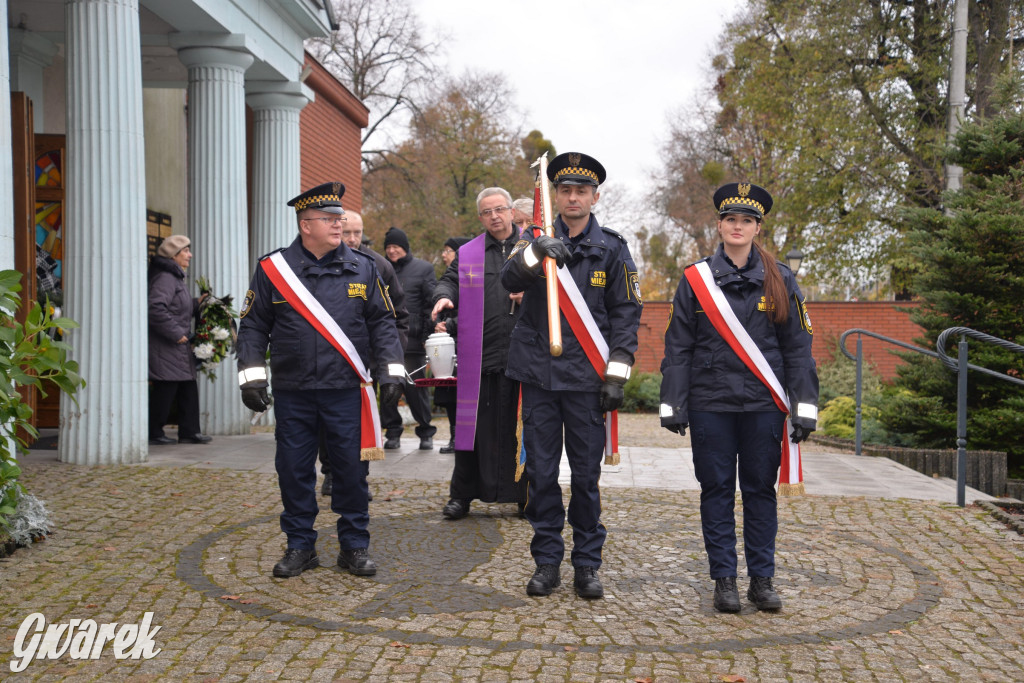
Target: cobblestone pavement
893	589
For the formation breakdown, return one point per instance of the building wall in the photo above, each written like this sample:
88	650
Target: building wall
165	125
829	319
331	136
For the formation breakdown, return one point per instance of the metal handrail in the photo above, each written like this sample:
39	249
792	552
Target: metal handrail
960	366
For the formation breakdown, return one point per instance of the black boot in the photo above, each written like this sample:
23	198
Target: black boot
450	448
325	488
296	561
727	598
357	561
587	584
455	509
763	595
544	580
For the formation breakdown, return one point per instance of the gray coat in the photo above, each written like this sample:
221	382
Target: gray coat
171	310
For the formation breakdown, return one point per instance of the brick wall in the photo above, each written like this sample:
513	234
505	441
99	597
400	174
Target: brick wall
331	135
829	319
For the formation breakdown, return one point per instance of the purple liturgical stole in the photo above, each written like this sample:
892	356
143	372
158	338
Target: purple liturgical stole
469	344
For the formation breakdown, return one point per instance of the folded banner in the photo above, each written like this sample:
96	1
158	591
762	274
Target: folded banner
306	305
724	320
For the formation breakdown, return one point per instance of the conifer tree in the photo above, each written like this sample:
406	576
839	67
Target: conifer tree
972	275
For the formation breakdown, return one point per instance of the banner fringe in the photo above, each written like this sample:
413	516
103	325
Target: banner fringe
371	454
796	489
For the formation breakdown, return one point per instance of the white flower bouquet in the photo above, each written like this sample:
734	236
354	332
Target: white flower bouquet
215	330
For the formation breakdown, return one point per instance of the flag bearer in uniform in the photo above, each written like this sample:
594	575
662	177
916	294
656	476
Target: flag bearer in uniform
736	312
323	310
571	394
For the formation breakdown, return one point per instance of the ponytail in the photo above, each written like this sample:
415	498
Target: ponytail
774	288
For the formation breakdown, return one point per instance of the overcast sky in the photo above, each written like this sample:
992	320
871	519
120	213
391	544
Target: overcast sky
604	76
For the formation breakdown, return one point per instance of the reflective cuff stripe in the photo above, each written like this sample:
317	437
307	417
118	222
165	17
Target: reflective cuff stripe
666	410
808	410
617	369
396	369
530	257
252	375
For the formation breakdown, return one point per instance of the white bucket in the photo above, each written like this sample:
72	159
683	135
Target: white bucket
441	355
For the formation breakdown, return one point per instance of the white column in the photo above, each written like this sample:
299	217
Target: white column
218	219
105	222
275	170
6	172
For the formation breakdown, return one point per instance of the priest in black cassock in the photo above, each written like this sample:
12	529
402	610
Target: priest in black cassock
470	295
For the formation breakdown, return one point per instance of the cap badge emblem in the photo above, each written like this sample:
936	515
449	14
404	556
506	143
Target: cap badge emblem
743	189
574	159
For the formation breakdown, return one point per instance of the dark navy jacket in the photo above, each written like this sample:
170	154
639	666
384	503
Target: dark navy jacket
603	270
701	371
418	281
347	285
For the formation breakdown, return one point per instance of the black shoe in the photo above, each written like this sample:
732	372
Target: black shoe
727	598
544	580
296	561
763	595
456	509
198	438
369	496
522	510
327	486
357	561
587	584
450	448
392	444
426	444
161	441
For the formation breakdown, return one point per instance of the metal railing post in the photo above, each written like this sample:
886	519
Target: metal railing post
860	363
961	423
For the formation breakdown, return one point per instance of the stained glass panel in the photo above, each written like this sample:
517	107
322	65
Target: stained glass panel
48	170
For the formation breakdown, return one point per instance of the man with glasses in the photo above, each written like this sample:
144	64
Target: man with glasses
486	447
327	317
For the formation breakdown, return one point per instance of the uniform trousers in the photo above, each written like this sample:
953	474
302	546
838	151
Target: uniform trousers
545	415
162	396
751	440
418	399
299	416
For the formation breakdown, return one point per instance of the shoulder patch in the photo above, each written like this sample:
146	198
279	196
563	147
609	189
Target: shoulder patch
805	319
250	296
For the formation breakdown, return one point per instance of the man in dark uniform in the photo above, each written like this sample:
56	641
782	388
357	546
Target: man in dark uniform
487	455
352	236
565	393
314	384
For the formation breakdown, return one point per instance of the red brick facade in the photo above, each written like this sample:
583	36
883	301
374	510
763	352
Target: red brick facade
829	319
331	135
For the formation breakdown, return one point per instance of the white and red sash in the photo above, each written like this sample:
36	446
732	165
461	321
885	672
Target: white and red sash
588	334
300	298
724	320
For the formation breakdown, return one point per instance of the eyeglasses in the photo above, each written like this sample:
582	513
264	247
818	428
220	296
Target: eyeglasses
486	213
329	220
447	250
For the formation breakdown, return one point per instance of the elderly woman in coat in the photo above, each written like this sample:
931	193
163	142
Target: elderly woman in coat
172	369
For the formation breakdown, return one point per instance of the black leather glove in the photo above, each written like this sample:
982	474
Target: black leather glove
390	393
678	428
549	246
799	433
611	396
256	399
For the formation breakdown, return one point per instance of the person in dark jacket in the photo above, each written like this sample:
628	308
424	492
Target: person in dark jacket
567	394
315	383
352	236
444	397
733	416
172	367
486	449
418	281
